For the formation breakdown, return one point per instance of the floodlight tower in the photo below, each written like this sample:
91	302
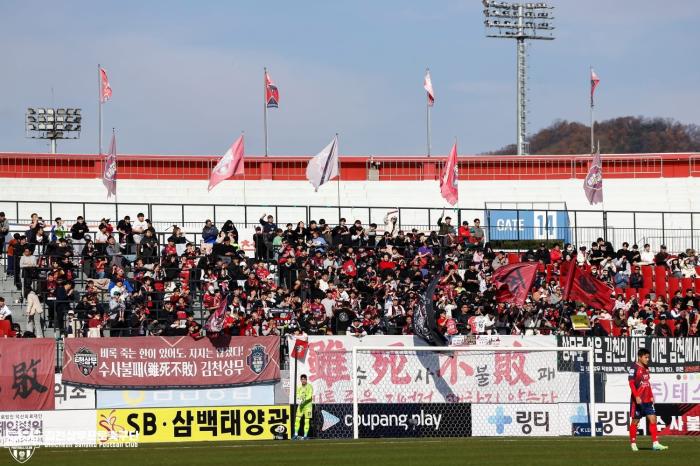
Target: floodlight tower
53	124
519	21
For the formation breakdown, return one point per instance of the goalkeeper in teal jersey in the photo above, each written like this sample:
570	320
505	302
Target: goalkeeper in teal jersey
305	398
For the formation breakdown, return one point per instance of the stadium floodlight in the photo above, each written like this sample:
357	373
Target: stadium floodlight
538	26
53	124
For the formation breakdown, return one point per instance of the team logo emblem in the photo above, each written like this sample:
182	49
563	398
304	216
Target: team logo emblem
22	454
258	359
86	361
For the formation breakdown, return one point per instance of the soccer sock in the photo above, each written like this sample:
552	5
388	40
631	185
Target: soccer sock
653	432
297	424
633	433
307	426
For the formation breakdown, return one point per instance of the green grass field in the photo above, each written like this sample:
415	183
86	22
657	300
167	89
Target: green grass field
381	452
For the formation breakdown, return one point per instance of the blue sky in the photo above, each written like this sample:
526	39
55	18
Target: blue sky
187	76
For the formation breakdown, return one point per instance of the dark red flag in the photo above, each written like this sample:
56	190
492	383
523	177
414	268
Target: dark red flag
300	347
584	287
514	282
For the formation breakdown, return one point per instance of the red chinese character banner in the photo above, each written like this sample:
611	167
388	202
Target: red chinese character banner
406	376
27	374
170	362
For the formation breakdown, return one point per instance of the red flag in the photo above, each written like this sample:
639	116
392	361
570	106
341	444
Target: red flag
272	94
349	268
428	86
230	164
105	88
301	345
449	178
514	282
594	83
584	287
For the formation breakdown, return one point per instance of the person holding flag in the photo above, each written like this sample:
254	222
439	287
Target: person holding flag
305	397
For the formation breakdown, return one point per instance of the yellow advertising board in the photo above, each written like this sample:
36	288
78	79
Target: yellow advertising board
153	425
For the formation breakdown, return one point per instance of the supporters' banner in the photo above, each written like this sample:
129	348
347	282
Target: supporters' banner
170	362
678	419
233	396
379	420
27	368
48	428
431	377
616	354
194	424
667	388
72	396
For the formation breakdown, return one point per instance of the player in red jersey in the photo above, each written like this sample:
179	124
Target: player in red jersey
642	400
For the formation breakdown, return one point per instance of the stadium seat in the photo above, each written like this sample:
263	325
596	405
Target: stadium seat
6	329
629	292
660	280
648	275
685	284
674	284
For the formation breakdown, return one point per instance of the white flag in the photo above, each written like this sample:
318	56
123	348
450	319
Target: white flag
428	86
324	166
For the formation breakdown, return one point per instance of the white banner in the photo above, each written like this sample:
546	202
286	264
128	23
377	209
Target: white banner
667	388
432	377
513	420
72	397
234	396
47	428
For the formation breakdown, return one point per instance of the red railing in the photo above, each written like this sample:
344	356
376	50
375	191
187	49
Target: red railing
353	168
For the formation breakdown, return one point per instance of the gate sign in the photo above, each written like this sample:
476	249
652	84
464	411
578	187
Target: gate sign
528	225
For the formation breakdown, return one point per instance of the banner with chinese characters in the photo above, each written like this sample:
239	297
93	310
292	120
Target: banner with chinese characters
27	368
194	424
170	362
617	354
405	376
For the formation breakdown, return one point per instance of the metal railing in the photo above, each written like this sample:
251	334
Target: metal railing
678	230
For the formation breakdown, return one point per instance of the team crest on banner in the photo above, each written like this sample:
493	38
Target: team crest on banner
257	359
86	361
22	454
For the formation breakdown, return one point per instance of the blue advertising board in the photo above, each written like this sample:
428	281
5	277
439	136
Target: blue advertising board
528	225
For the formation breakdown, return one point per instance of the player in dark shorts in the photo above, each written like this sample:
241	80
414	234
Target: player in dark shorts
642	400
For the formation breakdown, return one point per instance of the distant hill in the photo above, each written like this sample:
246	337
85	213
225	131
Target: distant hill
624	135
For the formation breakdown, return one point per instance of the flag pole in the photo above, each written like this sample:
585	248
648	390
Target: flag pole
116	203
265	106
427	122
336	148
243	162
99	103
592	122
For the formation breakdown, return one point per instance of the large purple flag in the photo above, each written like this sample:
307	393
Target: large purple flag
109	175
593	184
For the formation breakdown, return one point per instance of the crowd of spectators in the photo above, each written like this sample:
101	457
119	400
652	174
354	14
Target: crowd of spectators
355	279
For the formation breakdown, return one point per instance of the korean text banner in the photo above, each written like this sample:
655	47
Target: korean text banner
617	354
194	424
27	374
170	362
